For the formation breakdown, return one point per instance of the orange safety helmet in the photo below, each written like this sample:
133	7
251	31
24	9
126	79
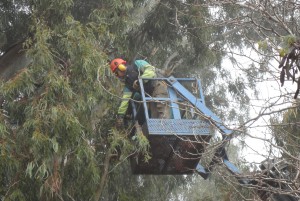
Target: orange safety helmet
115	63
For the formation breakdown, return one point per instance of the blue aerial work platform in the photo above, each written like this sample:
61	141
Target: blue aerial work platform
177	143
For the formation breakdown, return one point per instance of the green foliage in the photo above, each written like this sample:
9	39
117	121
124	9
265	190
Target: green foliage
288	40
58	113
286	44
124	197
47	137
287	133
282	52
16	195
119	141
263	45
13	16
142	145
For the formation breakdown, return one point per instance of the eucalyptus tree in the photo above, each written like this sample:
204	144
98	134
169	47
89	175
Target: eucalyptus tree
56	136
14	15
286	133
270	28
58	102
50	147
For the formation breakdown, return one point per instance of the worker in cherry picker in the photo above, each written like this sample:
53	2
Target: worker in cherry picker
129	75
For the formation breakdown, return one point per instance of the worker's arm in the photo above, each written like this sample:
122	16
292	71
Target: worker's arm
125	101
147	71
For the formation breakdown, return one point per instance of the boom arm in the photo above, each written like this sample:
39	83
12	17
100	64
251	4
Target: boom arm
200	105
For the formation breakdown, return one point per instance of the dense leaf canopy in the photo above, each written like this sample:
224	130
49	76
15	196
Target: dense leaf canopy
58	99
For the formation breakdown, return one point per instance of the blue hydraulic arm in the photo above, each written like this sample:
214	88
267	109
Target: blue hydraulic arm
200	105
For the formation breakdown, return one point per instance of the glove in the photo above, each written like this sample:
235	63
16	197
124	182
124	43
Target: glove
137	96
120	122
136	85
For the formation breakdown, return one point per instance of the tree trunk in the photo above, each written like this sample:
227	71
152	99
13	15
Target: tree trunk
101	186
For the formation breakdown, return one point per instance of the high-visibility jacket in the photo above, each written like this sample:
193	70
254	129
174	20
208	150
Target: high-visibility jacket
140	69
